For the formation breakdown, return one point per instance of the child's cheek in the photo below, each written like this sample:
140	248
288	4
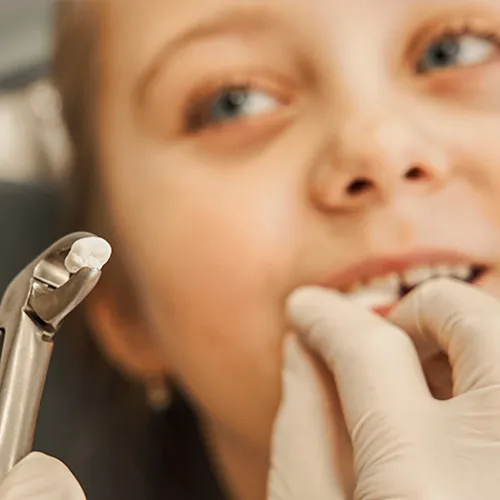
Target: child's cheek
477	88
217	291
238	247
223	253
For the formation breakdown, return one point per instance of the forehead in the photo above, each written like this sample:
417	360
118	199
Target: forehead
138	26
134	31
139	15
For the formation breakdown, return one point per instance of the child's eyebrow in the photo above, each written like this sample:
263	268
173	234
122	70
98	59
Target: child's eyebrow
237	21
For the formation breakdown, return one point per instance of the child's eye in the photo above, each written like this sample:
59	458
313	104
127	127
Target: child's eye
455	51
232	105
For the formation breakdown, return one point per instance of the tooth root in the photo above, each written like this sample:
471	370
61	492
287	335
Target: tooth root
414	277
91	252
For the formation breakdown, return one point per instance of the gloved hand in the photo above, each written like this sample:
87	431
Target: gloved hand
39	477
406	444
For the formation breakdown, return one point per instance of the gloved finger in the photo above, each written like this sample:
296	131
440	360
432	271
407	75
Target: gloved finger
463	321
39	477
306	439
375	364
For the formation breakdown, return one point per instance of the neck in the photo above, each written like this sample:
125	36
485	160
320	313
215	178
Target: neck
243	469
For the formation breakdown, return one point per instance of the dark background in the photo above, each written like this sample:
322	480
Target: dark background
26	211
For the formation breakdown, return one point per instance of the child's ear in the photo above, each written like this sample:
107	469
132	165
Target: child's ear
124	337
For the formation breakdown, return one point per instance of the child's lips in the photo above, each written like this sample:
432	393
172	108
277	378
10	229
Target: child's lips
401	265
379	284
384	311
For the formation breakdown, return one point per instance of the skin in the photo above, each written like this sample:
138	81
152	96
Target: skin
216	226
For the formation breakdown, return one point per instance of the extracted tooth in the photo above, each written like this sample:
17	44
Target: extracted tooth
90	252
417	275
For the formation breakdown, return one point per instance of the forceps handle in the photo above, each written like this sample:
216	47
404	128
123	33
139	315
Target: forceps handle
21	394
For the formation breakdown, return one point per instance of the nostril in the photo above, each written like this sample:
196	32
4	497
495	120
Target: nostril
359	186
415	173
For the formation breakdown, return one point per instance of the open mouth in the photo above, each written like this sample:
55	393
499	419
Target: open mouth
382	292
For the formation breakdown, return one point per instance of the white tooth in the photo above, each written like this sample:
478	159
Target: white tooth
374	297
443	270
390	283
417	275
88	252
394	283
462	272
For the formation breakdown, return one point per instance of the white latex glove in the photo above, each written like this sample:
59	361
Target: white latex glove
39	477
406	444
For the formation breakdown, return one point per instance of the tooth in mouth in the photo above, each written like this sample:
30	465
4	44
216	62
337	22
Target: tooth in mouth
386	290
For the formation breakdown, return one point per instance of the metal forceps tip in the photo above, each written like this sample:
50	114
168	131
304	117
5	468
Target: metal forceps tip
32	309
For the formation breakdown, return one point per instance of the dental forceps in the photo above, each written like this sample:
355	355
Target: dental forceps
32	309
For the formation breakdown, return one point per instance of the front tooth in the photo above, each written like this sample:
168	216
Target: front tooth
394	282
417	275
462	272
379	292
391	283
374	297
443	271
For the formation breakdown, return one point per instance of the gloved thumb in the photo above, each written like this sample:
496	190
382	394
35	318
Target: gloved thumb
311	453
39	477
374	364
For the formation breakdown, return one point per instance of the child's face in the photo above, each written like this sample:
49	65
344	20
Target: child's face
251	147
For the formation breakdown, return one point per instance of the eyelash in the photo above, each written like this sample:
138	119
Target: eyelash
200	101
466	28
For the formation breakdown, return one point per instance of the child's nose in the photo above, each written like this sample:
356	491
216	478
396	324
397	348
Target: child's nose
376	164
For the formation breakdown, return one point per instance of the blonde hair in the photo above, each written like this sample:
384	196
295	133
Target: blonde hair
76	76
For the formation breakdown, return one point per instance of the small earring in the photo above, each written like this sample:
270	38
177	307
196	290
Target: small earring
158	393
